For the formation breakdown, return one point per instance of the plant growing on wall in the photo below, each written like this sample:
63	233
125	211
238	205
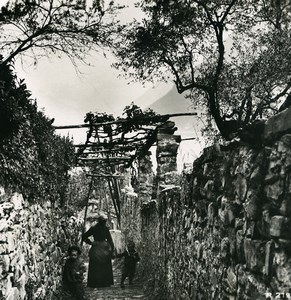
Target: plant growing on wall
33	159
233	56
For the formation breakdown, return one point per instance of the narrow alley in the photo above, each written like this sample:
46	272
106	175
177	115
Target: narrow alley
115	292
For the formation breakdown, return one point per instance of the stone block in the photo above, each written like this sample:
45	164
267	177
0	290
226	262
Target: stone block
252	208
211	214
285	208
224	248
277	226
271	178
17	200
250	229
274	191
11	242
5	209
284	143
254	251
256	177
7	286
282	267
3	249
263	225
12	294
197	249
269	258
231	280
239	223
4	226
240	187
240	246
278	124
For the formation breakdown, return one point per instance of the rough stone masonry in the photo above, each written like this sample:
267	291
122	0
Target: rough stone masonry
223	231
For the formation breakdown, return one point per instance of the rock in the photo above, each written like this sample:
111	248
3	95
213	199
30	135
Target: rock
285	208
17	200
269	258
284	143
277	226
13	294
4	226
211	214
231	280
240	246
271	178
278	124
283	268
254	251
240	187
256	177
273	192
252	208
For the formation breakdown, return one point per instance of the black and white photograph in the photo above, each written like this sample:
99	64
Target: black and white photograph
145	149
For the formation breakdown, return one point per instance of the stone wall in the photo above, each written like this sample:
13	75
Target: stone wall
222	232
30	252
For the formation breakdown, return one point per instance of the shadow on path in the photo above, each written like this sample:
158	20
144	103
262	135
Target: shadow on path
115	292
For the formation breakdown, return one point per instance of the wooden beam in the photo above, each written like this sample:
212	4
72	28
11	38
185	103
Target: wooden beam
119	121
104	158
105	175
103	152
113	143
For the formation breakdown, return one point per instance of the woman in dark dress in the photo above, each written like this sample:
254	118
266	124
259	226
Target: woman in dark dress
100	266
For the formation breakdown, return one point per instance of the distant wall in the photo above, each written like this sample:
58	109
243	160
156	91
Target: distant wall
223	231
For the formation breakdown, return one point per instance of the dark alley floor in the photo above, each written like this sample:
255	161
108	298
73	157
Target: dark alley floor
115	292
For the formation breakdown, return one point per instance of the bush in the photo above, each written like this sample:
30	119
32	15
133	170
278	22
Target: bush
33	159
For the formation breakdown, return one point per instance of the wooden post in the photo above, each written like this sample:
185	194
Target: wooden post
86	209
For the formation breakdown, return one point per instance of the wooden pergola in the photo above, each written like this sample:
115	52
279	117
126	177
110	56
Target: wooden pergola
114	144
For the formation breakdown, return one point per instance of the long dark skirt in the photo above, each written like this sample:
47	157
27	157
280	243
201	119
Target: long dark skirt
100	266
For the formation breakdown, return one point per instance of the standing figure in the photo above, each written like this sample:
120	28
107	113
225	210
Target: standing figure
73	275
100	266
131	257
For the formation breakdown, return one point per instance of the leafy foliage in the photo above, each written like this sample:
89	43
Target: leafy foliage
33	159
231	56
130	135
37	28
78	190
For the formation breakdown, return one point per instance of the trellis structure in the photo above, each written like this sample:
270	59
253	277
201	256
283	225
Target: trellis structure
114	144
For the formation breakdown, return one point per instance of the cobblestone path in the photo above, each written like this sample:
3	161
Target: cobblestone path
115	292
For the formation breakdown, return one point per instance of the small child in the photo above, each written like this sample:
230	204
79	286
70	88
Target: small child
131	258
73	275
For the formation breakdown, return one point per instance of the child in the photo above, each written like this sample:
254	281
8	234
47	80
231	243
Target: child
73	275
131	258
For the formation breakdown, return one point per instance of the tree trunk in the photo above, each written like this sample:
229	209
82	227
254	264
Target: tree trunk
227	129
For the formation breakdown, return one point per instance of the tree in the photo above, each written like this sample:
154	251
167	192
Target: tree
233	56
37	28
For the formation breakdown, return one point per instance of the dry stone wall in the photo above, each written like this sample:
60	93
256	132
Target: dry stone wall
223	231
30	252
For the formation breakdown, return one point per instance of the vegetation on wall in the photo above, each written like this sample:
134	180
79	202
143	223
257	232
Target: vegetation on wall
33	159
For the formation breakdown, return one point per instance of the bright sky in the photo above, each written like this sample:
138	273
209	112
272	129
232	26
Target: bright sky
66	95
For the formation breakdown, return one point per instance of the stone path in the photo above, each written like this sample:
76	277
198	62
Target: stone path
115	292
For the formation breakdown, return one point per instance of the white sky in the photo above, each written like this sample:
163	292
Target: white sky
66	95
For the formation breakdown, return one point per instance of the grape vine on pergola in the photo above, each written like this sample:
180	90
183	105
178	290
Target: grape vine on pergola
113	144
